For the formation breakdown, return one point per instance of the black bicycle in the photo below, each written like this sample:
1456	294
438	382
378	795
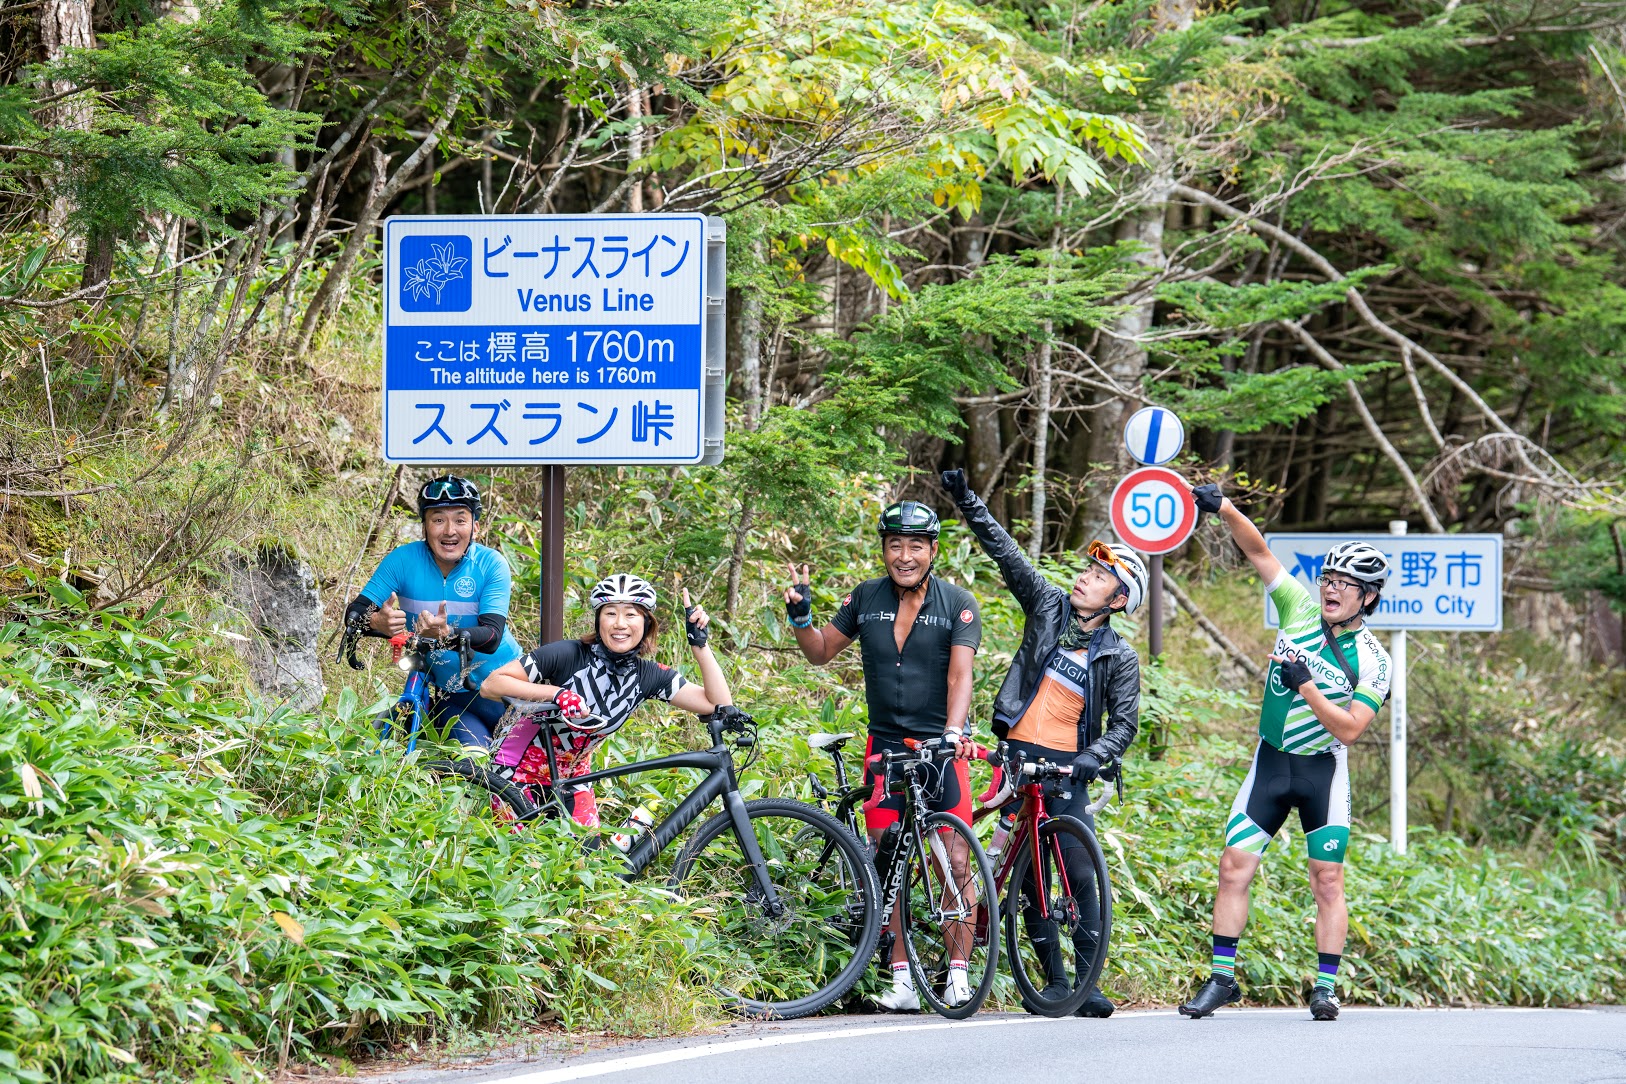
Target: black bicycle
790	892
934	875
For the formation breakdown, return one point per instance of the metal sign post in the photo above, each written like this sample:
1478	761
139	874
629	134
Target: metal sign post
1397	727
547	340
1440	582
1153	435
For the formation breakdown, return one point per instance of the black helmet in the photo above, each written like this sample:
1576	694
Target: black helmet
909	518
449	491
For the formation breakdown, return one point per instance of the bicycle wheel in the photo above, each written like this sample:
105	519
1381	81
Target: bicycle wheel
486	793
803	958
1057	927
940	921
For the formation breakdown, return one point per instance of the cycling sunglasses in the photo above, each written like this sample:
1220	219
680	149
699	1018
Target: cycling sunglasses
455	489
1101	553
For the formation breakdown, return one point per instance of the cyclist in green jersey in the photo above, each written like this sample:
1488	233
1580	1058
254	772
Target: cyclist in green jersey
1328	678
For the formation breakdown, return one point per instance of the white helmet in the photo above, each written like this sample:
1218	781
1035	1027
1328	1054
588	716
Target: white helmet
623	587
1359	560
1125	564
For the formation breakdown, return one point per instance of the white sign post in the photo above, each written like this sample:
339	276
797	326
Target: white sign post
1397	726
549	340
1441	582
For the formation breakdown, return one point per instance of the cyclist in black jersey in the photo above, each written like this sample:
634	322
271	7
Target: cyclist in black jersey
917	636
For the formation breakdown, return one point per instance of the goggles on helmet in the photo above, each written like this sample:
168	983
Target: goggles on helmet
449	489
1101	553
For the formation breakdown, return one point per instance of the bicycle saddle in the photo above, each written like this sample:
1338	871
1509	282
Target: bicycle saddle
828	741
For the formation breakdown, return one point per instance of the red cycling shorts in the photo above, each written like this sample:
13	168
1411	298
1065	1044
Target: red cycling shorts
948	787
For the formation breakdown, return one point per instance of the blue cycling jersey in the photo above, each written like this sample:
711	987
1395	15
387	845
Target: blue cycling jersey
480	584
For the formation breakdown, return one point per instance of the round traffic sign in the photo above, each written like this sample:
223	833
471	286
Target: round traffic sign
1152	510
1154	435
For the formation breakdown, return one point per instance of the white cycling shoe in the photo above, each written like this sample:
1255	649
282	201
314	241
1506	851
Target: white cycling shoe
958	991
901	999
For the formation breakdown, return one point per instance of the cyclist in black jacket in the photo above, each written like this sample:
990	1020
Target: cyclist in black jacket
1072	671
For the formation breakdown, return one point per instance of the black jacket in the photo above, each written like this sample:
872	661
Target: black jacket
1114	668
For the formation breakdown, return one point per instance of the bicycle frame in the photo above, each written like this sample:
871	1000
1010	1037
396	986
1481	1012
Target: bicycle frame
720	782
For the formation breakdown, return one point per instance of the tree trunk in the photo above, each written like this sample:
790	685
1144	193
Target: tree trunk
64	25
736	562
1123	353
985	452
1041	424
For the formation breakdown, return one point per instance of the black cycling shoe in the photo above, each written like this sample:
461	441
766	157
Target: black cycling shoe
1055	990
1323	1004
1216	993
1096	1006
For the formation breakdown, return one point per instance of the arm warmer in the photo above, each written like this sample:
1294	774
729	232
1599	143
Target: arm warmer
485	636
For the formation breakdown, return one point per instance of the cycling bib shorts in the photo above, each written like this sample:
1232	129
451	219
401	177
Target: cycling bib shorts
948	786
1317	785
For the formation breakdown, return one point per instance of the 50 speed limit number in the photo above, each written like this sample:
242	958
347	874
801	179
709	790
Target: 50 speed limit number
1152	510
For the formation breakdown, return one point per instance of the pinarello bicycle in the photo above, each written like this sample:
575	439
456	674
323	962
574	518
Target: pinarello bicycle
1046	912
933	873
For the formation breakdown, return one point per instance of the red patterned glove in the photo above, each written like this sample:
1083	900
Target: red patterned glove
571	705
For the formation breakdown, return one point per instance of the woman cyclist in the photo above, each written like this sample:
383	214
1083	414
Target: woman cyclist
1072	670
605	675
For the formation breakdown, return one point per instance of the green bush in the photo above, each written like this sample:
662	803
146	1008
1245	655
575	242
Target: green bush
191	882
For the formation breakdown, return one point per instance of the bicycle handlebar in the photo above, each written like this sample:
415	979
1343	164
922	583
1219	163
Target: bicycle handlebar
456	640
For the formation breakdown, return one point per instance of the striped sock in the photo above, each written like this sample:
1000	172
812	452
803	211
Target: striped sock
1225	957
1327	971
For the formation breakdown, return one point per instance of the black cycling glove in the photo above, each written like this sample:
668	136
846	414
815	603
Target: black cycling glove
1295	674
698	634
800	612
1208	497
954	485
1086	766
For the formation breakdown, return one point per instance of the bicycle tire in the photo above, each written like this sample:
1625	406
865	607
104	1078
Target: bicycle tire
507	800
1025	959
930	941
802	960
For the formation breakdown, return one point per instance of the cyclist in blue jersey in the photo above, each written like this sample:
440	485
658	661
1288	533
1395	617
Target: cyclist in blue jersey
447	581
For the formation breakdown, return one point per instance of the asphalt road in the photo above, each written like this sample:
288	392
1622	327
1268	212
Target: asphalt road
1387	1045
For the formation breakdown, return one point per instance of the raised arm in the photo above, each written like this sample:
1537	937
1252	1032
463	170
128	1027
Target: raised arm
818	646
1247	536
1031	590
510	680
713	692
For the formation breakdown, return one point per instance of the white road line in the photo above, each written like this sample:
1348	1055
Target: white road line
667	1057
764	1042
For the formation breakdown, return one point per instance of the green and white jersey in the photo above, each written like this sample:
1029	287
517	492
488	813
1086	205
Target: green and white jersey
1285	719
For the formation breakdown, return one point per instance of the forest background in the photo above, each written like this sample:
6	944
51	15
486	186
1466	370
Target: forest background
1370	252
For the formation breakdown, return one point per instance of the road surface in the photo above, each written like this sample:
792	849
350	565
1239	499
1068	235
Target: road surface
1155	1046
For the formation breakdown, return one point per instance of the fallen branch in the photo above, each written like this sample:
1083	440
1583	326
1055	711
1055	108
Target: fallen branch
1203	622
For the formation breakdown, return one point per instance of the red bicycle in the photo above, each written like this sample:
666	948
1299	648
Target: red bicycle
1051	876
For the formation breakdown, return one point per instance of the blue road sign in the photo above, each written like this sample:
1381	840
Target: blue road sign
546	338
1154	435
1447	582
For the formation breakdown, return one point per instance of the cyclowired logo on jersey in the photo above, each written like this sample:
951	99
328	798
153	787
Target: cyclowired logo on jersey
465	586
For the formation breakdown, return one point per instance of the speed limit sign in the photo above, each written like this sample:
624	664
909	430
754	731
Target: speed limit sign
1152	510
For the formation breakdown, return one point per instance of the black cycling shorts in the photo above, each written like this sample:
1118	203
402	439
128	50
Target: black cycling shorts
948	787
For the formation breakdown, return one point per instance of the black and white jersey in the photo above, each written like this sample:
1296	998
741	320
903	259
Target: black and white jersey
612	686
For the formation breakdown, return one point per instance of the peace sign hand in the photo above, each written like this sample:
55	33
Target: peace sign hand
695	620
799	596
